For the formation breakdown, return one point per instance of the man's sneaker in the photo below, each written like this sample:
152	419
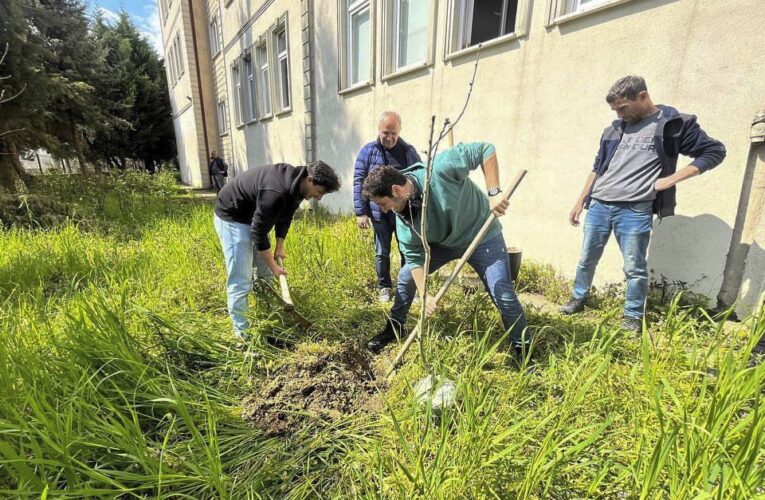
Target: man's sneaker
634	325
386	336
384	296
573	306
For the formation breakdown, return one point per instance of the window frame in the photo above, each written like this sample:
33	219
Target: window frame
281	27
215	42
391	42
346	10
264	83
561	11
250	85
236	81
179	55
222	109
452	48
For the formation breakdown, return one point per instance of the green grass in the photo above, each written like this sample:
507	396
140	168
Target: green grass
119	376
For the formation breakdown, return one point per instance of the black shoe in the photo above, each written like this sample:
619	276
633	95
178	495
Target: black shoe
392	330
573	306
634	325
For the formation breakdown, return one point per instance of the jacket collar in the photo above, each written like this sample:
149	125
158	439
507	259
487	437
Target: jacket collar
668	113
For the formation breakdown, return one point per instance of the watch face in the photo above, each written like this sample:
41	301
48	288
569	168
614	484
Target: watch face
494	191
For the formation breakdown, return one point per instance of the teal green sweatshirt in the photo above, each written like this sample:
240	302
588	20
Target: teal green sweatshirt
457	207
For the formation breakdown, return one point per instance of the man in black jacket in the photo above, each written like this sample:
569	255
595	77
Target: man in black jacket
246	210
218	171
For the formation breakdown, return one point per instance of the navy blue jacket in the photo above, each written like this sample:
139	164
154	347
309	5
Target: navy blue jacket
676	134
370	157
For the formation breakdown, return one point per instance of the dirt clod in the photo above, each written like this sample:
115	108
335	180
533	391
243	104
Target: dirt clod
318	383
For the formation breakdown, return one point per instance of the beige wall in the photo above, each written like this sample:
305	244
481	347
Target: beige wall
279	136
540	99
190	95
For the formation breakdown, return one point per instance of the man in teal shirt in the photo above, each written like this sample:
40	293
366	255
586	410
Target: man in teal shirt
457	208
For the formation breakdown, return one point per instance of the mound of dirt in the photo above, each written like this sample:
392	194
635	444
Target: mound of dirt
318	383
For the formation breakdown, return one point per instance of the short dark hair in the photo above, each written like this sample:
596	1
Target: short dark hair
380	181
323	175
626	87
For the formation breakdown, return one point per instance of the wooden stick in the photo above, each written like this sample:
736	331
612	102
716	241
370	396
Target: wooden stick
286	297
460	264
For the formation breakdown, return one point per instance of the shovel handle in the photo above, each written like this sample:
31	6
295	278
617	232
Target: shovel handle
460	264
286	297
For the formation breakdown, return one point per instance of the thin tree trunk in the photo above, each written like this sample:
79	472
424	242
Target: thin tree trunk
8	174
77	145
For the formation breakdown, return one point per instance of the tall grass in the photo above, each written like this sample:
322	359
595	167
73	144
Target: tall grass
120	378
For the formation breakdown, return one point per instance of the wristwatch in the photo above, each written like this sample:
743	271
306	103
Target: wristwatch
494	191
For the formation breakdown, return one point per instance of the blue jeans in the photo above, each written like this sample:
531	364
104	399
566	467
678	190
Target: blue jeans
492	264
384	230
236	242
631	224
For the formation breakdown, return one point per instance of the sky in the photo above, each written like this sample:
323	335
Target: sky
143	13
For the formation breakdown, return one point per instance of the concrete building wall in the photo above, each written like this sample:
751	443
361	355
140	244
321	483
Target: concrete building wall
539	97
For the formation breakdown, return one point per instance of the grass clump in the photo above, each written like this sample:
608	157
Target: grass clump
121	378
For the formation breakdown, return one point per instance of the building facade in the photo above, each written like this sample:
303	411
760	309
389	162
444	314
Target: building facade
297	80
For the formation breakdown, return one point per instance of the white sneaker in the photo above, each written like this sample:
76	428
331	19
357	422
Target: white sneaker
384	296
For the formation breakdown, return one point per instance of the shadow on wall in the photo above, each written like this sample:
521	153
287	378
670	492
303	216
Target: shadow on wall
691	252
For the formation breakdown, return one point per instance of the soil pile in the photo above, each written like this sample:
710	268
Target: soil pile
319	383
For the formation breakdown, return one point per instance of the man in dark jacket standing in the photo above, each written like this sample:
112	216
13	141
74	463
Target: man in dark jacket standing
218	171
246	210
387	149
634	176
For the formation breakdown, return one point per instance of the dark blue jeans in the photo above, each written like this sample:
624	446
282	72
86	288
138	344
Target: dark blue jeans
631	223
492	264
384	230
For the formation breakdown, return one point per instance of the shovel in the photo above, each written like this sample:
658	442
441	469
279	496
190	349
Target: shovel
460	264
286	299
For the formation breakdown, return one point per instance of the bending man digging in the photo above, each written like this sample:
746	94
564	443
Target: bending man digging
247	208
457	208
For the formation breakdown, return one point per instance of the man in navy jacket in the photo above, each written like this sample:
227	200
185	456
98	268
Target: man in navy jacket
634	176
387	149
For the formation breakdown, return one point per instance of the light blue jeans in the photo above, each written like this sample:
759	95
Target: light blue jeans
236	242
631	224
492	264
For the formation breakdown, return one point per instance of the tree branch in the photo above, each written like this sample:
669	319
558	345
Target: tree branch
12	97
8	132
431	154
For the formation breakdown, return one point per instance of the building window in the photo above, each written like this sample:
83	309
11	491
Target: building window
565	8
179	54
409	33
250	92
478	21
236	81
282	67
358	42
214	36
222	117
263	76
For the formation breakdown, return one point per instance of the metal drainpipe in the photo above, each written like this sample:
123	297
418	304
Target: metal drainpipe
749	217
